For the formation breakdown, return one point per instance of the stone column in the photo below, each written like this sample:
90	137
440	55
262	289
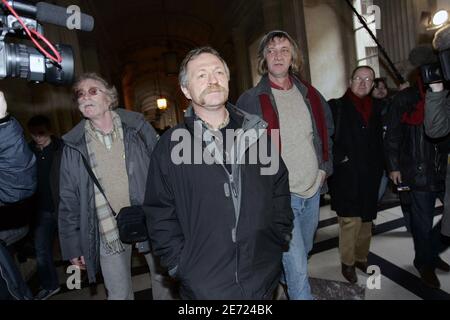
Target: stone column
294	24
272	14
241	60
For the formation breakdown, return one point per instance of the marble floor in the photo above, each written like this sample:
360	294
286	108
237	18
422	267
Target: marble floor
391	253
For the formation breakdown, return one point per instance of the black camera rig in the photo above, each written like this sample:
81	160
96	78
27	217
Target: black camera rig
439	71
20	20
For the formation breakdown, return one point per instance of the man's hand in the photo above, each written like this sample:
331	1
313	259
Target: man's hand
79	262
396	177
437	87
3	105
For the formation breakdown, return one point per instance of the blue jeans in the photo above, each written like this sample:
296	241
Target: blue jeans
295	261
44	236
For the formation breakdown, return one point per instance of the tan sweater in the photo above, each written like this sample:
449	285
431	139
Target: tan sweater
297	142
112	172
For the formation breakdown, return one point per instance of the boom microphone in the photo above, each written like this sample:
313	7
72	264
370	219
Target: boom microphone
22	7
50	13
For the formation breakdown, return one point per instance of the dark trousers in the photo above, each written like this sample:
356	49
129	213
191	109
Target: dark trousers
44	237
427	240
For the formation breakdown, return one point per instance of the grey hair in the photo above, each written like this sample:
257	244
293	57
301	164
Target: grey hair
182	77
111	91
297	61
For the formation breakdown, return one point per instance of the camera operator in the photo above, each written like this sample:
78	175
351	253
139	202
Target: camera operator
437	124
417	167
17	185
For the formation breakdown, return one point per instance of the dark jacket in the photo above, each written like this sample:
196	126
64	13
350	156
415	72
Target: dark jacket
78	225
249	101
358	160
221	234
17	177
437	125
17	164
410	151
48	162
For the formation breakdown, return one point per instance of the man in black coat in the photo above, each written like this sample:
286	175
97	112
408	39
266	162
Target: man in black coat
437	125
417	163
218	220
358	166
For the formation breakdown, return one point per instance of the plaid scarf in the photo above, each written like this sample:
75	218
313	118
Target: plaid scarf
107	222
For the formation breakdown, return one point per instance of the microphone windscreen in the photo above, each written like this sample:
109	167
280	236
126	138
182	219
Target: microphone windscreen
422	55
441	40
57	15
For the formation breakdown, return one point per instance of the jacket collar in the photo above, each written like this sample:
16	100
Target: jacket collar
252	124
263	87
130	119
55	144
247	120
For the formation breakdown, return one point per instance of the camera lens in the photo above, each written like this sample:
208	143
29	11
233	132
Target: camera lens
17	62
28	63
64	74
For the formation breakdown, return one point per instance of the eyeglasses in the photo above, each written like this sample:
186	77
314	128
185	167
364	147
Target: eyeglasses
91	92
359	79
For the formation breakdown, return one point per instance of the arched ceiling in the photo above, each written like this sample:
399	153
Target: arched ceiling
135	35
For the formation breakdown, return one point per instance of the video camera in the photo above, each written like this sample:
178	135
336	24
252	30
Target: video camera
440	71
18	60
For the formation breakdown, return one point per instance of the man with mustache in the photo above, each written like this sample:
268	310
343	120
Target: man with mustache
116	146
304	121
219	227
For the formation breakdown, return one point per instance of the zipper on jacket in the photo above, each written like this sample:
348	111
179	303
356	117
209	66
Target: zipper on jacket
233	188
235	196
236	272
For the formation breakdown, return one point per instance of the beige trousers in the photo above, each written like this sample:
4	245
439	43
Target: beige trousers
354	240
